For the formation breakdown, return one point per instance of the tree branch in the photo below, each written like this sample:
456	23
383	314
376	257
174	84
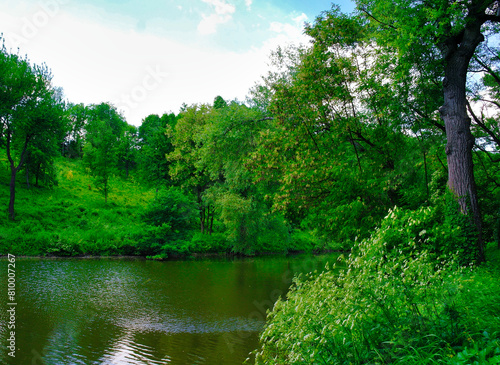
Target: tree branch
426	117
490	71
378	21
479	147
490	101
482	125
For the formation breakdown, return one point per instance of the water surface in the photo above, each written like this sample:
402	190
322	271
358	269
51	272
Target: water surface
133	311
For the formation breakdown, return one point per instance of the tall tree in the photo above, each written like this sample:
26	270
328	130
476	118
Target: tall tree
99	155
29	110
127	150
444	34
154	145
77	115
185	167
104	130
341	143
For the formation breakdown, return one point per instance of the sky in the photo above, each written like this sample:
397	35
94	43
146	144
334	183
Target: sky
151	56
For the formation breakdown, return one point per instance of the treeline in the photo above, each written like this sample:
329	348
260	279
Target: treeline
333	137
336	135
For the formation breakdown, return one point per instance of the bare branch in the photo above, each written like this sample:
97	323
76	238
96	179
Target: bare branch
482	125
490	101
489	69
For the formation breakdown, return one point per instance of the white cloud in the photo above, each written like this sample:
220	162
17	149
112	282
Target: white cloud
248	4
141	73
221	7
292	31
223	14
300	19
209	23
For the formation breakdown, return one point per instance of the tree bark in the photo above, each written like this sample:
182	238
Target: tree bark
458	52
201	208
212	221
12	213
13	172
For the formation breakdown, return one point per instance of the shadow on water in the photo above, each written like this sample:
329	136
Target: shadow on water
133	311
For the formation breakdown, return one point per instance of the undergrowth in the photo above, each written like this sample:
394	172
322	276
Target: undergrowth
401	300
72	218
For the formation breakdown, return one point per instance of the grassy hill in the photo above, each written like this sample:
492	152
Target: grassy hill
72	218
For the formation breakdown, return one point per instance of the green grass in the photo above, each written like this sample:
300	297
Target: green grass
72	218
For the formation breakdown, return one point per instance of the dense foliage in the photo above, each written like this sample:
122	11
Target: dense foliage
397	302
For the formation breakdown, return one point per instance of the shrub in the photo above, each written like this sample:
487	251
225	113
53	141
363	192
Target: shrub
169	218
214	243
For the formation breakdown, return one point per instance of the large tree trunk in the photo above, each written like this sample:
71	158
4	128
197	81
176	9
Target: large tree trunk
457	123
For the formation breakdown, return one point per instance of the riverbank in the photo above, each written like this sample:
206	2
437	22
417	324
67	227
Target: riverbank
193	256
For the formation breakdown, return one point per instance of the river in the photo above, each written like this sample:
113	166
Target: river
134	311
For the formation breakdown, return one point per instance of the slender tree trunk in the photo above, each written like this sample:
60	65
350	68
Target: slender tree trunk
13	171
12	200
201	209
212	221
27	177
457	123
38	173
202	219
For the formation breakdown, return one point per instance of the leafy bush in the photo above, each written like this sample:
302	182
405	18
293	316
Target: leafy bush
174	208
308	241
214	243
401	300
170	219
250	226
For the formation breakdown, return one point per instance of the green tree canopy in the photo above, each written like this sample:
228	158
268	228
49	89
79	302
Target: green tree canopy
30	112
154	146
104	132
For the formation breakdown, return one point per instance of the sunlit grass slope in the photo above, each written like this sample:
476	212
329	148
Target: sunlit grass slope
72	218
